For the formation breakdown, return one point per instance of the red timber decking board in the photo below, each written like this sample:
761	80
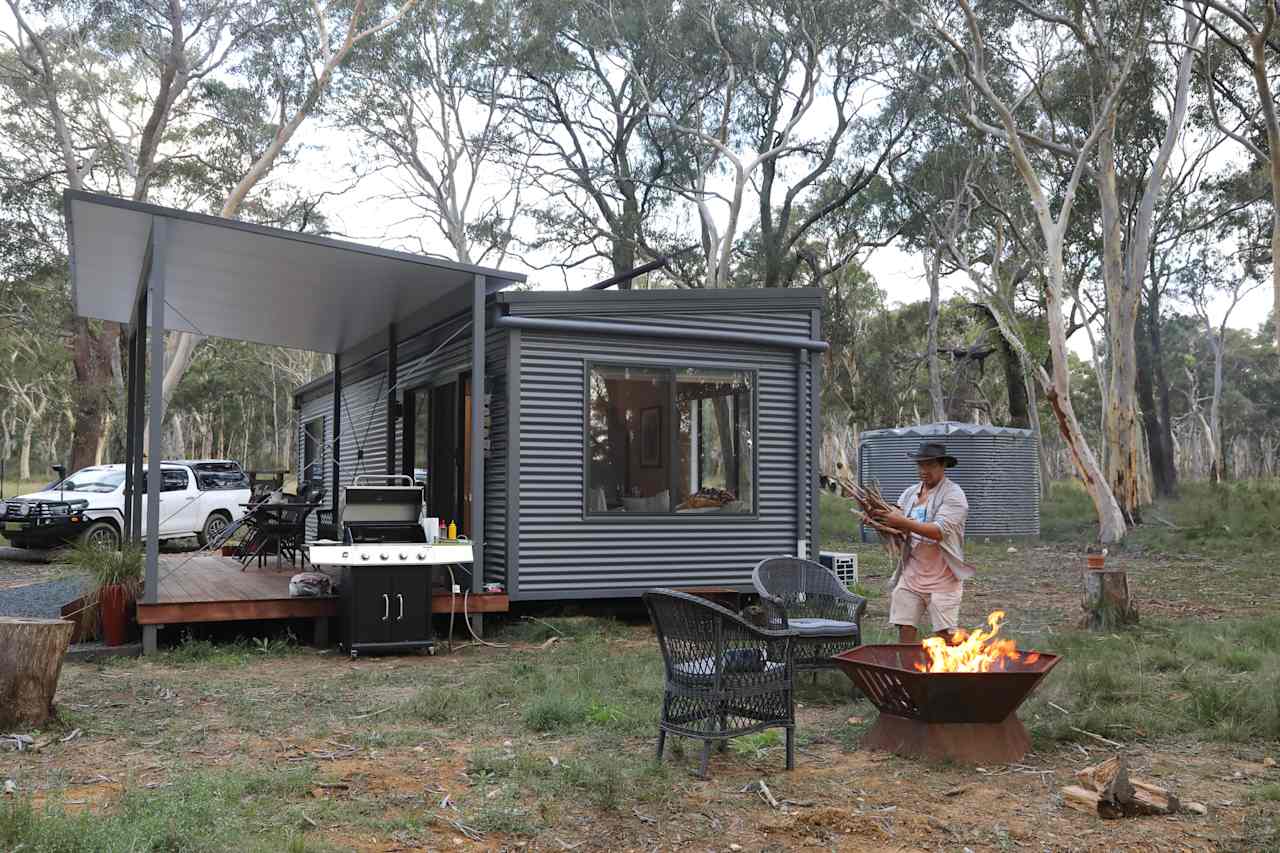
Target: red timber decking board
208	588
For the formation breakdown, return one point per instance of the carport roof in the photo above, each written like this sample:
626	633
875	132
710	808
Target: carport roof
232	279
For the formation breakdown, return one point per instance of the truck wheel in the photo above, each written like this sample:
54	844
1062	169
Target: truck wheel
213	527
102	534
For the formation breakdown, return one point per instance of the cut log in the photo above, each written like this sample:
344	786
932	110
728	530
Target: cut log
1106	602
1080	798
1116	794
31	652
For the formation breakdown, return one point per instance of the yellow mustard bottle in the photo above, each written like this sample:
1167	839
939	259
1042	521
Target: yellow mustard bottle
453	530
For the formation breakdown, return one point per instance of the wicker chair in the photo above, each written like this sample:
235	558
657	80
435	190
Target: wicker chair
807	599
724	676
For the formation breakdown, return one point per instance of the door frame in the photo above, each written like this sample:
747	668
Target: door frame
408	451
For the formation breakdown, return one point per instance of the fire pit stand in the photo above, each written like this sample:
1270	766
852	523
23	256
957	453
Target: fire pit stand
966	717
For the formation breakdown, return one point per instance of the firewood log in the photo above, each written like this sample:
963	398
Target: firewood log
31	652
1116	794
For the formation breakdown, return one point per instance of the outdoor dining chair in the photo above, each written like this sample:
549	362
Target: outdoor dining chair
807	598
724	676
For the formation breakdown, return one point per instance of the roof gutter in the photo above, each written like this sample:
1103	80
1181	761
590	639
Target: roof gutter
596	327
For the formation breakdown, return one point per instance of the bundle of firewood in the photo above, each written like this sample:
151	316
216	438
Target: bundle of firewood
871	504
1109	791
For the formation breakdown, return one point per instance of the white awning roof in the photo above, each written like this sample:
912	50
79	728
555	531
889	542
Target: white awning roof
231	279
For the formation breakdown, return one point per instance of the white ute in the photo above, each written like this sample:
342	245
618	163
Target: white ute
197	498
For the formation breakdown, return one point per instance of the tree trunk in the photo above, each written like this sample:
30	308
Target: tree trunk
24	449
1121	418
1159	445
1015	378
932	270
91	394
1106	602
31	652
1215	408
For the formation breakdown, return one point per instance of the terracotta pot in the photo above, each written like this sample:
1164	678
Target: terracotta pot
1096	561
113	605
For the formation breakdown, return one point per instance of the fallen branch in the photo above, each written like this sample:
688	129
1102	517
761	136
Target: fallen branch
1099	737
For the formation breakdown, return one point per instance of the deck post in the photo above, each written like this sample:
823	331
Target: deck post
155	301
337	431
815	441
137	347
477	441
391	400
130	428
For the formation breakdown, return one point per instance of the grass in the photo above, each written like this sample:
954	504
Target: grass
199	812
1212	681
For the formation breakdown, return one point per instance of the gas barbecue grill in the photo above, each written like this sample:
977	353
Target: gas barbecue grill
386	563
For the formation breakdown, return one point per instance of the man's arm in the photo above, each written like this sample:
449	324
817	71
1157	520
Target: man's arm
898	520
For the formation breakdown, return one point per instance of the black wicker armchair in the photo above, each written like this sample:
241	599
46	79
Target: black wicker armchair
808	599
724	676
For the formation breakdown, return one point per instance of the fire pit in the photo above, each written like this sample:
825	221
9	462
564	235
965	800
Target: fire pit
966	716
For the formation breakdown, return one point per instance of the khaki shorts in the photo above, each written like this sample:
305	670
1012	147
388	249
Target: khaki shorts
907	608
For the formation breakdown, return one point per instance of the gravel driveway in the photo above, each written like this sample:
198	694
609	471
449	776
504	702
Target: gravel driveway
33	584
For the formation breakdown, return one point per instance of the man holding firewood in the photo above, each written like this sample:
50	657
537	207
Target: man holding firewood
931	573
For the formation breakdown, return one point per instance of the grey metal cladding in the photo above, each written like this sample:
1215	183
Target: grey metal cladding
564	555
364	426
999	470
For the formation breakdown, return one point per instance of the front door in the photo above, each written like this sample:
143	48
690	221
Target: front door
445	473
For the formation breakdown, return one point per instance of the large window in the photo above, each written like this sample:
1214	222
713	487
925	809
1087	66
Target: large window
664	440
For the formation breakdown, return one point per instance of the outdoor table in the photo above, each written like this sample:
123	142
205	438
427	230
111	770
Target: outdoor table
270	514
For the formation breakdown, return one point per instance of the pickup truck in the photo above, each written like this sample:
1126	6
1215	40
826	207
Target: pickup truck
197	498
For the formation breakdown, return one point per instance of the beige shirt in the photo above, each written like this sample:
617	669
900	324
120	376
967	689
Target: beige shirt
948	508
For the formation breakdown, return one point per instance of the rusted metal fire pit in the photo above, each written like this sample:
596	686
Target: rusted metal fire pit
967	717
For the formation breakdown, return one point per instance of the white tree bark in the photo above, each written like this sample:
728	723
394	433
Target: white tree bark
971	61
933	271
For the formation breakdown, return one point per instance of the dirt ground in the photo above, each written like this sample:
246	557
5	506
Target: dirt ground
380	783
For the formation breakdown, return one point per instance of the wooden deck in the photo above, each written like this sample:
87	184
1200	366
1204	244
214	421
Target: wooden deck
208	588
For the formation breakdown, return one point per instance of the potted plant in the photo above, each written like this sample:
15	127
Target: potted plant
117	581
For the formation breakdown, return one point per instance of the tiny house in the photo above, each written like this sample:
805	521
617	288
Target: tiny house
631	439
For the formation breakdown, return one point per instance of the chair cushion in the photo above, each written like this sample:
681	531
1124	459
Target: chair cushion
807	627
703	669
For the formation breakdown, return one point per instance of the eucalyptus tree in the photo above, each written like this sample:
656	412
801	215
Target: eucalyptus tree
288	68
582	135
1001	114
435	98
1240	42
99	99
779	99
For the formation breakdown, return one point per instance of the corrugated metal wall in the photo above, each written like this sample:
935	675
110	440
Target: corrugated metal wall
561	554
998	470
364	405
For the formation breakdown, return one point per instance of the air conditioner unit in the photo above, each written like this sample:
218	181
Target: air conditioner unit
844	565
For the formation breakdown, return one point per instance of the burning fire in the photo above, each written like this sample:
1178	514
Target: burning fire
976	652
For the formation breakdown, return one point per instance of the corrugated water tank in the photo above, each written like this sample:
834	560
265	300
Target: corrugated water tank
999	470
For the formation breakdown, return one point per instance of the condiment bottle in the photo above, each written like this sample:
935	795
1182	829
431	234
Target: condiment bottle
453	531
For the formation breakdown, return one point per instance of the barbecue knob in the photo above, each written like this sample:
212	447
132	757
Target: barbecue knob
403	555
421	556
364	556
384	555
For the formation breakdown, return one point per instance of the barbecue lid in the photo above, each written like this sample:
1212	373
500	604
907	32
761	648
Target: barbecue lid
366	502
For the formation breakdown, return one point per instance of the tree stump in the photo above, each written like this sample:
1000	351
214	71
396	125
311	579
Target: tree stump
31	652
1106	602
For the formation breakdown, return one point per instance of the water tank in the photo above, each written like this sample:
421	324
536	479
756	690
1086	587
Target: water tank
999	470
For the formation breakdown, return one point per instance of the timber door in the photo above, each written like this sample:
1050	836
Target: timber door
446	473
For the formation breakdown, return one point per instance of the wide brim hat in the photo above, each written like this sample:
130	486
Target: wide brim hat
933	450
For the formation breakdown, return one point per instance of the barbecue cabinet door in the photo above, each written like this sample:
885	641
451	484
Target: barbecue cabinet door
372	606
410	606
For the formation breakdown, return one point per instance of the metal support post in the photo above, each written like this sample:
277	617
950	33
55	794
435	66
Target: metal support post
155	453
477	442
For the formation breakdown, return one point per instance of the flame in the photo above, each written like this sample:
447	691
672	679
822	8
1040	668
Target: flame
976	652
